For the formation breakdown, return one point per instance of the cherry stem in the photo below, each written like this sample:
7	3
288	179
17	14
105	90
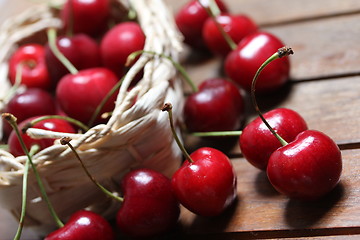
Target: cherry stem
282	52
66	141
213	11
51	34
70	29
12	121
33	150
168	107
217	134
132	15
4	146
104	100
18	79
177	65
69	119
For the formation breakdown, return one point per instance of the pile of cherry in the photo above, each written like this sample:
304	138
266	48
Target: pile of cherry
300	163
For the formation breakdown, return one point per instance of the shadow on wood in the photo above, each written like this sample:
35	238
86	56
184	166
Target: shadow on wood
300	214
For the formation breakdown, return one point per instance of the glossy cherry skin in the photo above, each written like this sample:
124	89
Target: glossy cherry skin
32	102
208	185
81	50
236	26
80	94
190	20
242	63
84	225
56	125
118	43
89	17
150	207
307	168
217	106
257	143
34	73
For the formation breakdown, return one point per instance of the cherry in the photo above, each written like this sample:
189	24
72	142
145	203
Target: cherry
31	58
206	186
32	102
118	43
217	106
56	125
306	168
81	50
257	142
205	183
242	63
83	225
80	94
89	17
150	207
236	26
191	18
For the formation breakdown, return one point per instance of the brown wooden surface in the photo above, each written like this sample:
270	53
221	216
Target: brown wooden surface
324	89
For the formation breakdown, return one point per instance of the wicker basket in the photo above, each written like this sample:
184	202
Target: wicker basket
135	136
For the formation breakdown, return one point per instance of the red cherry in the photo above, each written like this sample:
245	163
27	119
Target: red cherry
80	94
150	207
118	43
81	50
191	18
217	106
83	225
32	102
236	26
206	186
257	142
306	168
242	63
56	125
34	71
89	17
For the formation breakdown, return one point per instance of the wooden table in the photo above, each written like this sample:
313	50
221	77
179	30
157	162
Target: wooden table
325	90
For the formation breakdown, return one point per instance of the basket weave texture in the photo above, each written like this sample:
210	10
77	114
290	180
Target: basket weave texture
136	135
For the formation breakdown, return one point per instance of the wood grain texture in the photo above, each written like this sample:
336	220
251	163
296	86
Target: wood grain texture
280	11
323	48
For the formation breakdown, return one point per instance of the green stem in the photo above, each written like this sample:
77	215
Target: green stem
282	52
12	121
18	79
132	15
33	150
168	107
104	100
69	119
177	65
217	134
66	141
51	34
214	11
4	146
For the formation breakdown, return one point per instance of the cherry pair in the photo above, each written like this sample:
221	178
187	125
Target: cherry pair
307	167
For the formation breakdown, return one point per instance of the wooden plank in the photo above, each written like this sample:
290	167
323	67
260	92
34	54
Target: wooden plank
279	11
261	211
323	48
330	106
